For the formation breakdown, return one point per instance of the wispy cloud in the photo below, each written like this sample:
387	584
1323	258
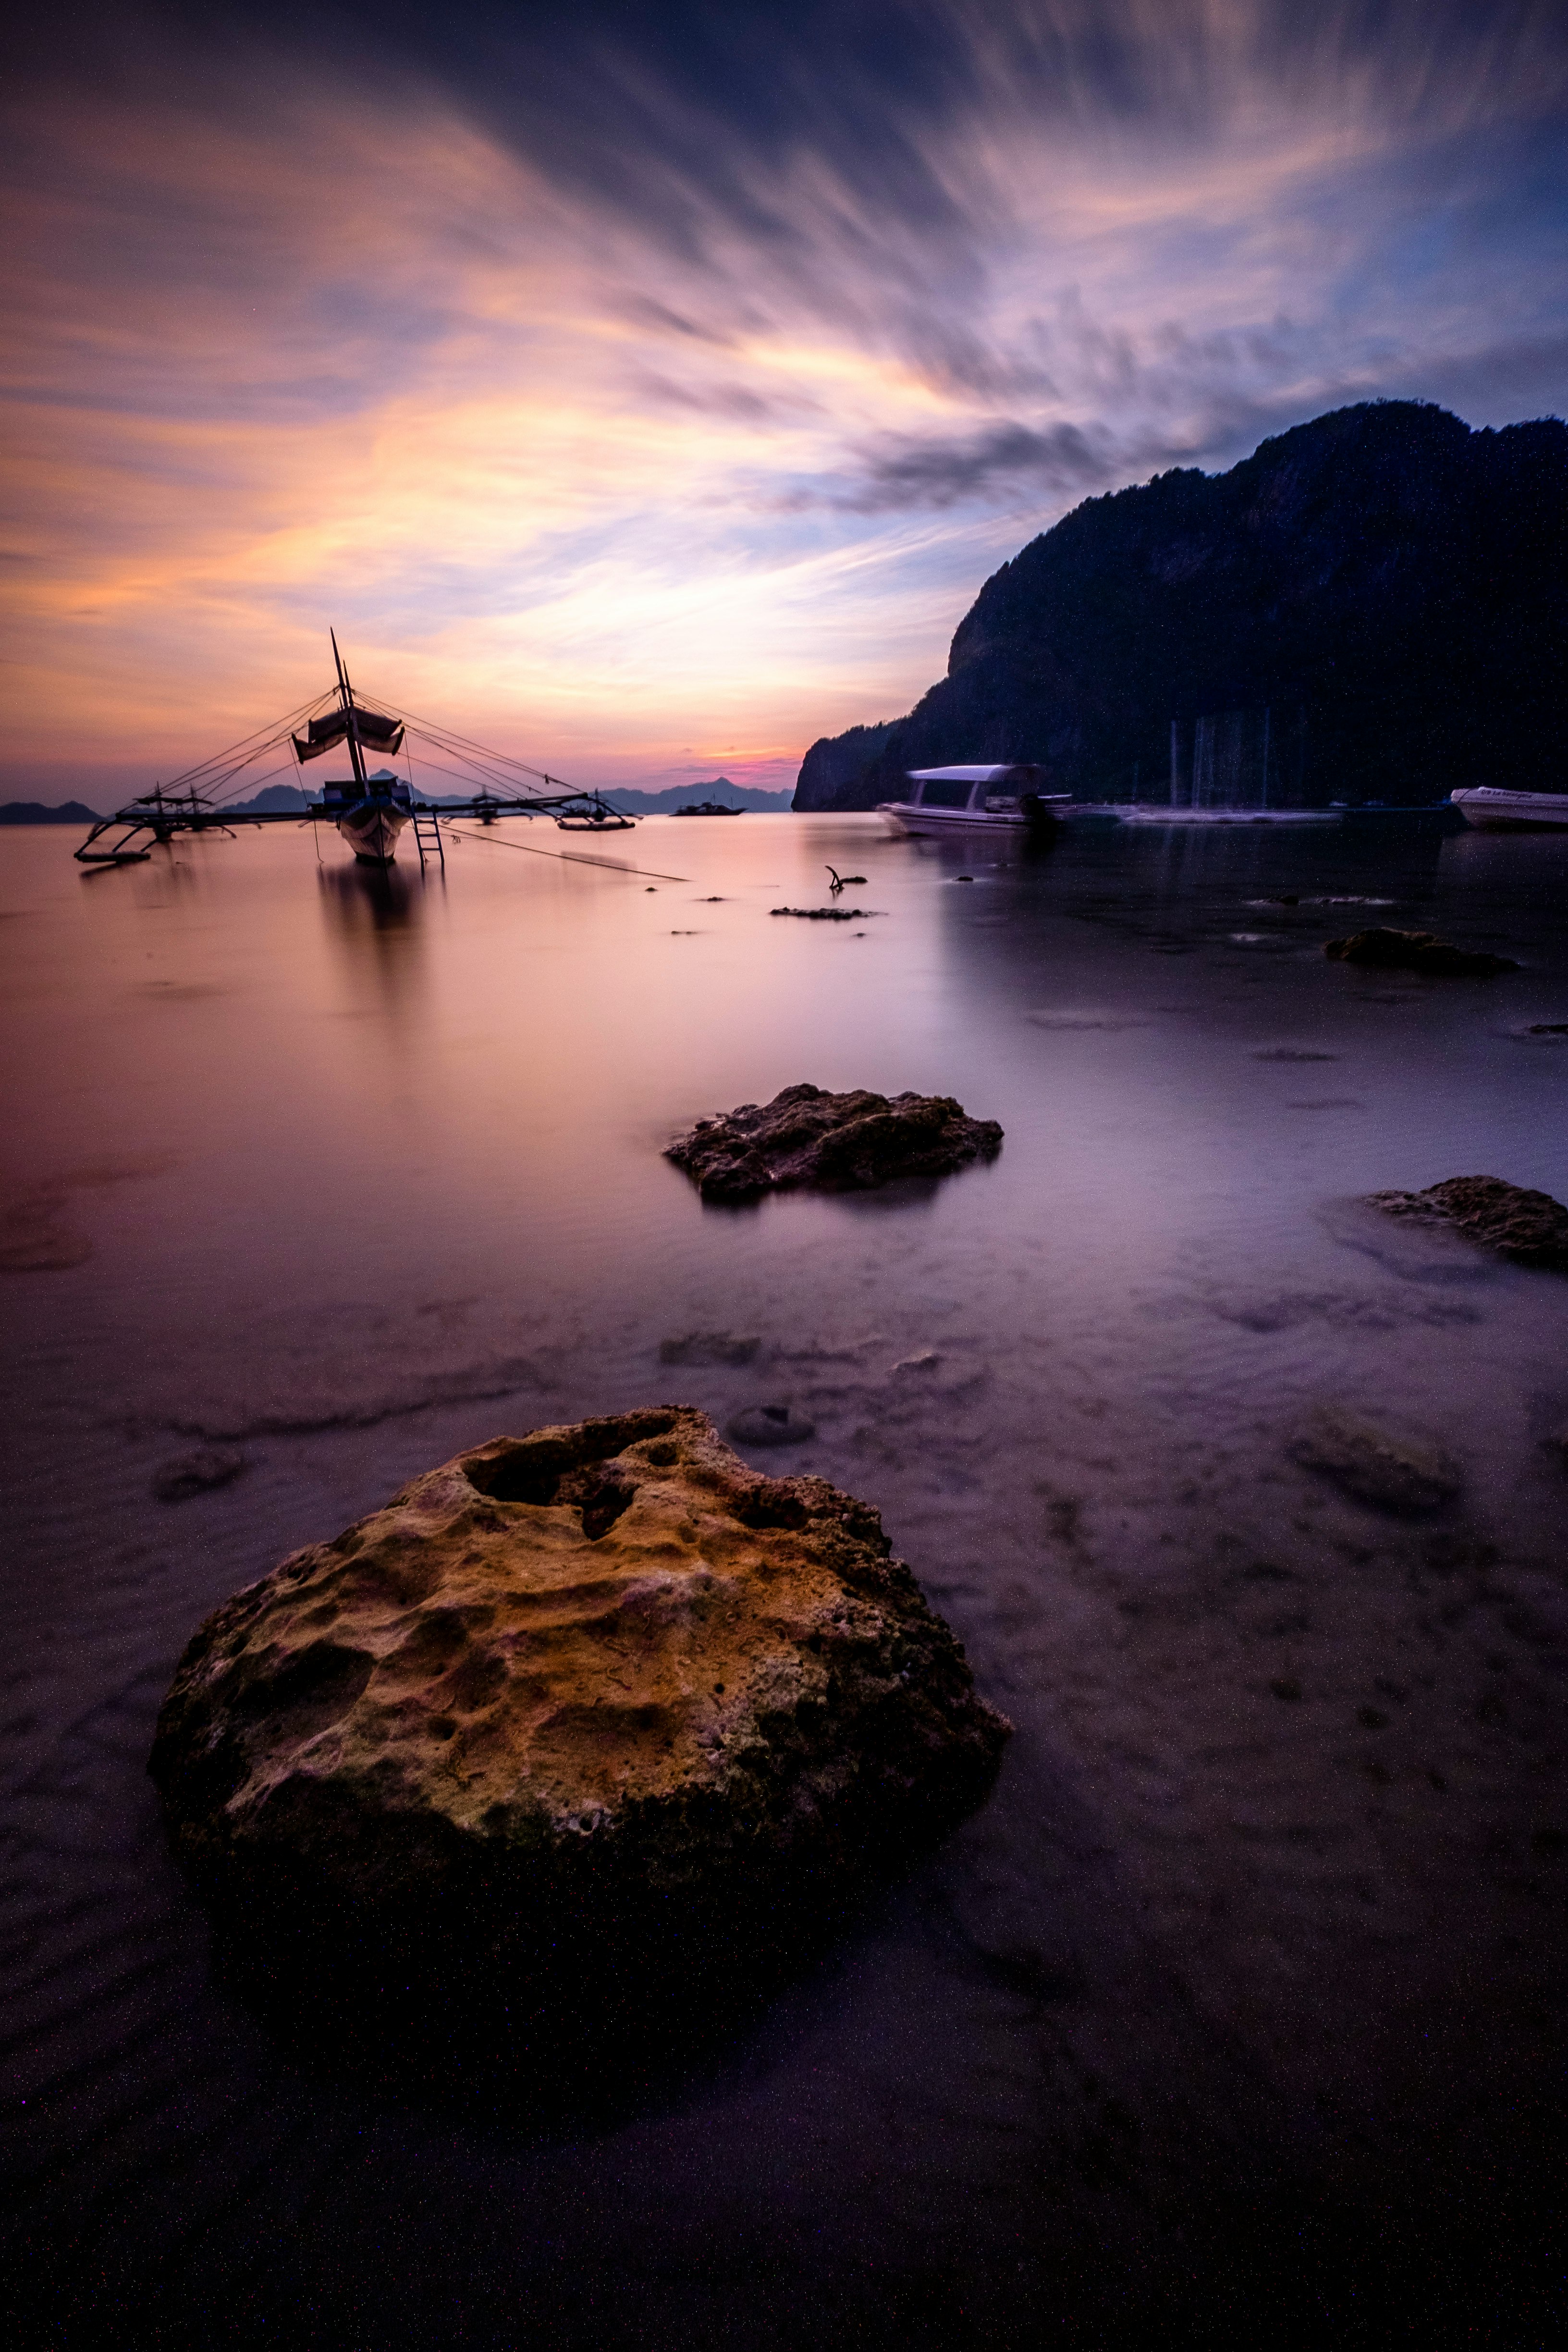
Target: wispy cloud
626	382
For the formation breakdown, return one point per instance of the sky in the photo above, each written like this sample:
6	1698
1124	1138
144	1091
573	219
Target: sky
648	389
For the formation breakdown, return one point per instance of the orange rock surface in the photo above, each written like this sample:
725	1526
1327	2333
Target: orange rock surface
592	1665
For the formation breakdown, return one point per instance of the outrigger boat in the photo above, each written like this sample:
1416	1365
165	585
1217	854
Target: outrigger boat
999	799
371	811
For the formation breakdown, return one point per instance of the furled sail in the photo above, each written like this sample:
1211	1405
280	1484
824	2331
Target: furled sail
377	734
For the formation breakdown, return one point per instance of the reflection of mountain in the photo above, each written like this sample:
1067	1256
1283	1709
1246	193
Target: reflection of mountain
1377	596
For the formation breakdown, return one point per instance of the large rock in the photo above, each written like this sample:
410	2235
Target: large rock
582	1703
1530	1227
1388	949
838	1143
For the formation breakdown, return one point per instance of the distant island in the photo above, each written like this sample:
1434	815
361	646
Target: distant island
1374	605
286	800
35	813
679	796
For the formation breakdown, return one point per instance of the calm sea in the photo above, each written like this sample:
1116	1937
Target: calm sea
1242	1996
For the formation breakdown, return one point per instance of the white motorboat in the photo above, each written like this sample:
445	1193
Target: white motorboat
999	799
1496	810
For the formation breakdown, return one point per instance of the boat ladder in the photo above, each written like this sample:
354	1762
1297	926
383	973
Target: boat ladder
427	837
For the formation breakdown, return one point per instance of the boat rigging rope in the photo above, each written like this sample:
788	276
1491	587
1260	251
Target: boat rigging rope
577	858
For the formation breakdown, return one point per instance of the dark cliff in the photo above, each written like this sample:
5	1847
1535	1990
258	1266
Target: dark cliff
1372	605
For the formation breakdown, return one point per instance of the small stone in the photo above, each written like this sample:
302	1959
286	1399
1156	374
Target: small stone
708	1347
1390	1474
198	1474
771	1424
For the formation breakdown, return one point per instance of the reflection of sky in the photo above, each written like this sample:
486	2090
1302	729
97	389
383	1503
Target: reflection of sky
651	391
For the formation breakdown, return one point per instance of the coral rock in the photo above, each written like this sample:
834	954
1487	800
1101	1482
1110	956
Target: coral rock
1530	1227
592	1681
838	1143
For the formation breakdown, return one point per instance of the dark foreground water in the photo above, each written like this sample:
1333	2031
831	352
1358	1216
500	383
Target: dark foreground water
1238	2014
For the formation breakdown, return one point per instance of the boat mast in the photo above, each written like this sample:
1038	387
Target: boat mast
355	754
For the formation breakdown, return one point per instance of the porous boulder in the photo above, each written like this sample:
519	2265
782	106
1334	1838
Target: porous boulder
836	1143
1388	949
571	1701
1528	1226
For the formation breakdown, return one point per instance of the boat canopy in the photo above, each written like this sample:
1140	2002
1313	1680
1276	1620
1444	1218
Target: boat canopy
378	733
1009	768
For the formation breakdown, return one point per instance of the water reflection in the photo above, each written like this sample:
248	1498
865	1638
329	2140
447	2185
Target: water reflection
375	915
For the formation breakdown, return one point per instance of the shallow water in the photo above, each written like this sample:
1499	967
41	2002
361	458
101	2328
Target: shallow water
1242	1995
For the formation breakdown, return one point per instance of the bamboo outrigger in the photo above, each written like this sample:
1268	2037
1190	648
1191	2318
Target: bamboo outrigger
370	809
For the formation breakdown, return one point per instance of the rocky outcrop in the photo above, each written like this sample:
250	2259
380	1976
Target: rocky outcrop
1378	592
1530	1227
570	1704
836	1143
1386	949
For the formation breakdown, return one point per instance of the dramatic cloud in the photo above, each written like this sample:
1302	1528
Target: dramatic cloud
652	386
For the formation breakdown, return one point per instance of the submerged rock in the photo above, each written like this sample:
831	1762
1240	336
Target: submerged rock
1388	950
198	1474
771	1424
838	1143
583	1707
1530	1227
708	1347
1392	1474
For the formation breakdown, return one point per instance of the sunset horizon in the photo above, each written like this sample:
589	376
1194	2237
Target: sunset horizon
649	406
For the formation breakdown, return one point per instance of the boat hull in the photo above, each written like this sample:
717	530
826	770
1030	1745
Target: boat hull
1503	812
907	817
373	832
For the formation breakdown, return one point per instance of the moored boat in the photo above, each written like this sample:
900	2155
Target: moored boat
370	814
1495	809
1006	798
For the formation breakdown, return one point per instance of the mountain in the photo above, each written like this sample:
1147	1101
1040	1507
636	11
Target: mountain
274	800
35	813
1370	606
681	796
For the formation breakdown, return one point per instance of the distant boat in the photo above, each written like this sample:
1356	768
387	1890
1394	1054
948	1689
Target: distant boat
1005	799
709	808
1496	810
